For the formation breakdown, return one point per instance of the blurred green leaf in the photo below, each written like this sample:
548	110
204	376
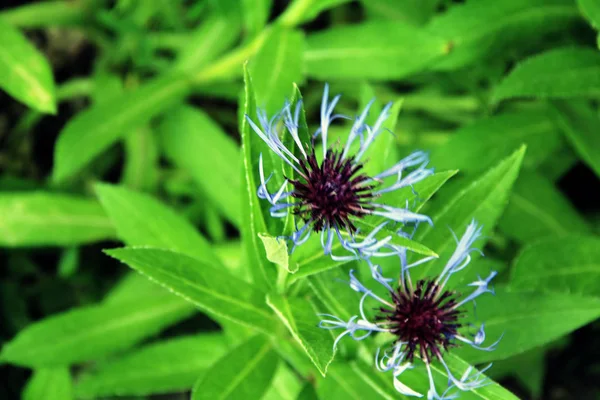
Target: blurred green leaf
475	31
300	11
140	171
243	373
48	14
275	67
285	385
253	222
591	10
194	142
308	392
88	333
49	384
93	131
301	319
527	320
391	50
580	125
528	367
51	219
569	264
537	209
557	73
255	14
143	221
475	147
168	366
482	199
25	73
209	288
414	11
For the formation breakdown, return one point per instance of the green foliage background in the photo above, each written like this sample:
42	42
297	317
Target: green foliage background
121	123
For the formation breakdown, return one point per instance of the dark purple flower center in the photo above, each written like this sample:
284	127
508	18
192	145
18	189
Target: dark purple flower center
331	193
424	319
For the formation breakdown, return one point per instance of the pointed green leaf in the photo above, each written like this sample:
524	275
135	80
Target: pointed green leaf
545	75
276	66
24	72
51	219
94	130
580	125
143	221
49	384
197	144
211	289
88	333
301	319
569	264
527	320
277	252
168	366
392	50
243	373
483	199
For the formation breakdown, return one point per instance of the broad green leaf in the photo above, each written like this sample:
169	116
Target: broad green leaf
49	384
277	252
285	385
276	66
355	381
331	289
591	10
51	219
301	319
143	221
244	373
580	125
392	50
132	286
169	366
474	31
483	199
528	368
255	14
211	289
94	130
300	11
194	142
569	264
557	73
537	209
25	73
527	320
253	222
414	11
475	147
88	333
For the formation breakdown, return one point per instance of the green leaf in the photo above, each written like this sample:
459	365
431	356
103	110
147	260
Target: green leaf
141	170
255	14
537	209
143	221
527	320
569	264
414	11
277	252
476	146
557	73
194	142
301	319
356	381
483	199
285	385
88	333
49	384
591	10
244	373
392	50
93	131
308	393
276	66
300	11
580	125
211	289
51	219
253	222
168	366
24	72
475	31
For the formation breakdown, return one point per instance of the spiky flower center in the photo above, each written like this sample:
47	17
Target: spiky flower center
329	194
424	319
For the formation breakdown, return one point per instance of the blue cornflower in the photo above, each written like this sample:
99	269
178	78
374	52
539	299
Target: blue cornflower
424	318
331	192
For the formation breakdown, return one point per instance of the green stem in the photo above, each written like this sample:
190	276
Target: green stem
281	284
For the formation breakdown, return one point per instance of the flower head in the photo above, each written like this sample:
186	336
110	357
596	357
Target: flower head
425	318
331	192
